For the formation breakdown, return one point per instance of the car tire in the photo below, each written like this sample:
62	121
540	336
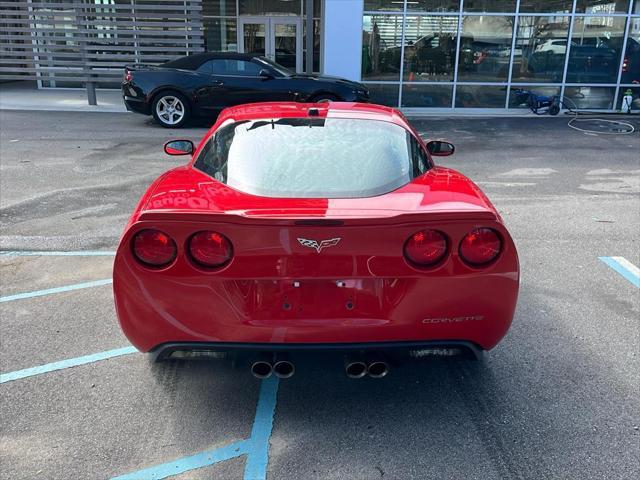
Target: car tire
325	98
170	109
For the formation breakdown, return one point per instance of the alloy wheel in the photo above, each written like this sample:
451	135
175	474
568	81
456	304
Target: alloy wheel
170	110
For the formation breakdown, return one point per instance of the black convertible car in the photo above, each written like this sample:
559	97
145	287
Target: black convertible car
202	85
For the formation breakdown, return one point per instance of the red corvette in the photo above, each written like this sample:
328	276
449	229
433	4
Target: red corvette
314	227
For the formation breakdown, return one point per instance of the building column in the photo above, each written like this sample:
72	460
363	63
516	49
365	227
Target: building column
342	39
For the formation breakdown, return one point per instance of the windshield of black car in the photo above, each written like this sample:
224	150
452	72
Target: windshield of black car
313	157
284	71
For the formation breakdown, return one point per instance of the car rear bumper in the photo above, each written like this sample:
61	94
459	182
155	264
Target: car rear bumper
135	100
269	295
174	350
136	105
476	309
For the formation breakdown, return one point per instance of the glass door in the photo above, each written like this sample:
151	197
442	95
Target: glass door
286	41
277	38
253	35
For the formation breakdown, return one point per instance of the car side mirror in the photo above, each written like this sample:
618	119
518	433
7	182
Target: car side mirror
179	147
439	148
266	74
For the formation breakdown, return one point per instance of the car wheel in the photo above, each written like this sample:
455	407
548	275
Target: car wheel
325	98
171	109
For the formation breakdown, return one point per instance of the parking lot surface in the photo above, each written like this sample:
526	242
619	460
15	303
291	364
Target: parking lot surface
558	398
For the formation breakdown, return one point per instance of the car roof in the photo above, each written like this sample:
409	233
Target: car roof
193	62
269	110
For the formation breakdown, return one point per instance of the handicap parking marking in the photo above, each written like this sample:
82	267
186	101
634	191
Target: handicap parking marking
62	364
50	291
81	253
625	268
256	447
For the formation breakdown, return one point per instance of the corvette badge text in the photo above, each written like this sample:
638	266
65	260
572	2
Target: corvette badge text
470	318
319	246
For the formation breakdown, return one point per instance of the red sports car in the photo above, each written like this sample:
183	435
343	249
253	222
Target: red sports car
314	227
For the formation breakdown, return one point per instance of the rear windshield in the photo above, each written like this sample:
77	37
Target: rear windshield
313	157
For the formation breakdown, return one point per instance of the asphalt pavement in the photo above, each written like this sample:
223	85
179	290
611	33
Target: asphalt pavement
558	398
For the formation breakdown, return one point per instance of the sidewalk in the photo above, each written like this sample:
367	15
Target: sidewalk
26	96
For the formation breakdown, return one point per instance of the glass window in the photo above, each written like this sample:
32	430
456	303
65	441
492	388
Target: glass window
433	5
255	38
602	6
596	46
490	5
519	96
383	5
485	48
634	92
636	7
240	68
631	62
480	96
589	97
427	96
317	8
284	38
220	34
299	157
219	8
270	7
430	49
546	6
381	40
384	94
541	45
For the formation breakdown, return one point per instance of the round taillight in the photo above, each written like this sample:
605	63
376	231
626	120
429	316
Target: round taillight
210	249
480	246
426	248
154	248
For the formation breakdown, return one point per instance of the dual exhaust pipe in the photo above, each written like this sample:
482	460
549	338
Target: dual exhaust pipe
354	366
280	366
373	365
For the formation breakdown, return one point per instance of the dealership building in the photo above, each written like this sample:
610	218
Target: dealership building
420	55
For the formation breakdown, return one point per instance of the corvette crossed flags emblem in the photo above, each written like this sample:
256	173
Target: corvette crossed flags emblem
318	246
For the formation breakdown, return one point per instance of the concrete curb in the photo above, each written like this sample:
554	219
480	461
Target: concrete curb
46	108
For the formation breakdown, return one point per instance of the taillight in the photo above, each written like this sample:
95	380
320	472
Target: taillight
128	76
480	246
426	248
625	65
210	249
154	248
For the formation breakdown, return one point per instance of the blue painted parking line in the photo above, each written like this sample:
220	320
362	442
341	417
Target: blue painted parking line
81	253
258	457
61	365
625	268
186	464
50	291
256	447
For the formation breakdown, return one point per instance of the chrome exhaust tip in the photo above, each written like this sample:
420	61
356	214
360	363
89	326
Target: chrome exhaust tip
284	369
354	367
261	369
378	369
